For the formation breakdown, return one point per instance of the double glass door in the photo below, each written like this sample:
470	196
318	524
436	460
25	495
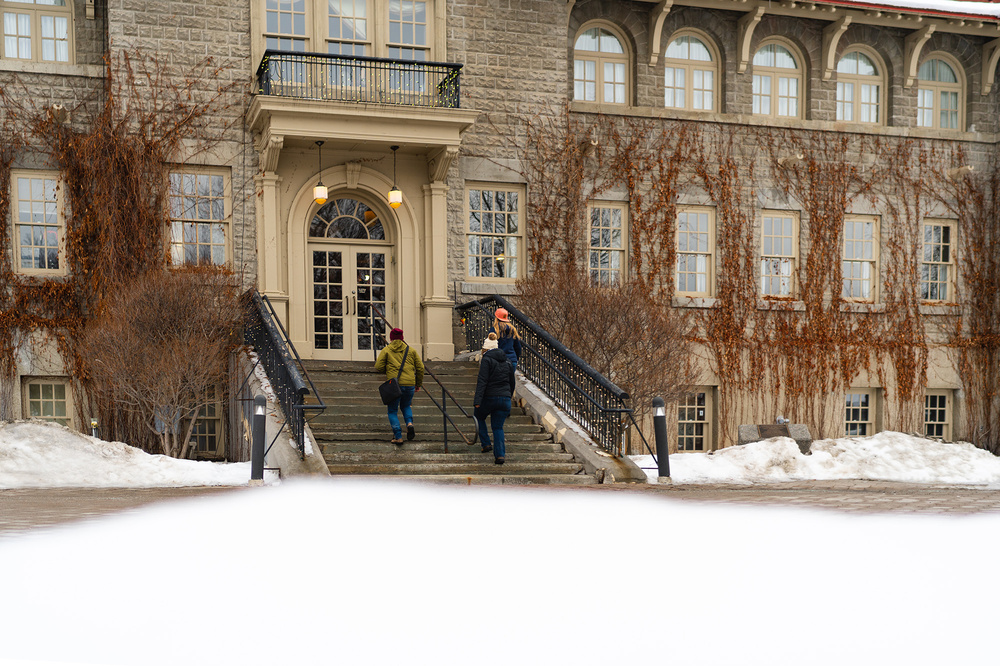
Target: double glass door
349	292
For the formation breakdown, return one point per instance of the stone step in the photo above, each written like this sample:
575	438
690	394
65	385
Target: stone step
469	456
512	467
330	436
424	407
491	479
455	446
382	425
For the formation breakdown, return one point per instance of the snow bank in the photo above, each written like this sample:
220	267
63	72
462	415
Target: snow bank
35	454
887	456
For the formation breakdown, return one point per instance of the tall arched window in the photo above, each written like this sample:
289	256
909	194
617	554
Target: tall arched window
939	95
600	67
859	89
777	82
690	75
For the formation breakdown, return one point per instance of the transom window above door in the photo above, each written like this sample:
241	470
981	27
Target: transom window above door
600	67
777	82
347	218
398	29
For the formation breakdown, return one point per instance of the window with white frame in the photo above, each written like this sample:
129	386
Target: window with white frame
397	29
860	263
494	214
859	89
778	253
937	268
48	399
607	243
199	217
38	30
859	418
39	224
689	75
695	249
776	82
600	67
937	414
694	421
939	95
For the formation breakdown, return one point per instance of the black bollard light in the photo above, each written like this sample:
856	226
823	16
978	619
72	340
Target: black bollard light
660	431
257	445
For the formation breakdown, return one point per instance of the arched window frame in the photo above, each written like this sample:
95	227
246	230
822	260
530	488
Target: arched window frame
857	83
601	60
937	89
776	75
691	69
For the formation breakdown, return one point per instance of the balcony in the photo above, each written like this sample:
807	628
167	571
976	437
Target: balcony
359	79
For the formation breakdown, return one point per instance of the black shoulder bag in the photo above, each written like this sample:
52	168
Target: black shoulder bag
389	389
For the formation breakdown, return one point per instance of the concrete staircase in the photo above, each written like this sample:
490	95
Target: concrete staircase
354	433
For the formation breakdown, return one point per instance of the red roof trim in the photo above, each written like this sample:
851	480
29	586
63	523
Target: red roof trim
913	10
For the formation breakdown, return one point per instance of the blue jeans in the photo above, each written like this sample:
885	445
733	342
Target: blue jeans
402	402
498	409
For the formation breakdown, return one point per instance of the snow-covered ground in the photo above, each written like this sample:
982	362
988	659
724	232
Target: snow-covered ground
887	456
353	572
364	572
48	455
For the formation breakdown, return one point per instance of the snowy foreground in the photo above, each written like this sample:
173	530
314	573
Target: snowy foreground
353	572
887	456
34	454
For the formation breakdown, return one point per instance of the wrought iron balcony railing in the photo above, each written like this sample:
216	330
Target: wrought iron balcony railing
359	79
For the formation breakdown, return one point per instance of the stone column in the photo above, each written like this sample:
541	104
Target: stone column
435	306
270	244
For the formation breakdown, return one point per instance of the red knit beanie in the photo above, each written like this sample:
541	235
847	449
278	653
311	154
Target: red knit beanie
396	334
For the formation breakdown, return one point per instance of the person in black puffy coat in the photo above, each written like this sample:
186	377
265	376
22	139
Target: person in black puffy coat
494	390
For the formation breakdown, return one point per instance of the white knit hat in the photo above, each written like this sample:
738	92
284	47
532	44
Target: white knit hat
489	343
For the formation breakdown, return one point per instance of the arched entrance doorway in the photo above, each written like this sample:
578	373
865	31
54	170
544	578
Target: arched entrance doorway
350	283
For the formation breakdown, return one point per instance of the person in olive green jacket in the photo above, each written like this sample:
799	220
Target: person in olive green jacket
410	381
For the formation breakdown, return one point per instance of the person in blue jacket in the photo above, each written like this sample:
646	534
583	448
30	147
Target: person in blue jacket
507	338
494	390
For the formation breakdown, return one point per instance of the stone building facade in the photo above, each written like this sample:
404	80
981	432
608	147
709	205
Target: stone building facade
361	97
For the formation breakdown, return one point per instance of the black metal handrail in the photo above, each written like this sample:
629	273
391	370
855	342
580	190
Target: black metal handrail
445	393
362	79
596	403
291	383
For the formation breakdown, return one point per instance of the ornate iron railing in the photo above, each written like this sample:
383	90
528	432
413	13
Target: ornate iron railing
263	331
587	396
359	79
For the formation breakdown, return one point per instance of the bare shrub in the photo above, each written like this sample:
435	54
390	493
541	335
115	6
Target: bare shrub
161	347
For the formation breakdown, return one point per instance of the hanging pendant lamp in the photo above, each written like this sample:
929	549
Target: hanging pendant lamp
320	192
395	194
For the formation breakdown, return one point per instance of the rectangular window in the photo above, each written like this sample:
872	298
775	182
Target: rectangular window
702	89
761	94
937	414
206	437
694	421
494	231
408	32
788	96
285	24
949	110
778	251
614	83
48	399
859	419
673	79
869	103
585	80
845	101
860	264
925	108
695	248
199	212
39	224
937	268
37	30
347	31
607	243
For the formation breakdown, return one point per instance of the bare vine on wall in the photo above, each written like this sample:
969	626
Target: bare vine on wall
113	162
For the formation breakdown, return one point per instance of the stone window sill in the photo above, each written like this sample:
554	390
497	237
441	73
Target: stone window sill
694	302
